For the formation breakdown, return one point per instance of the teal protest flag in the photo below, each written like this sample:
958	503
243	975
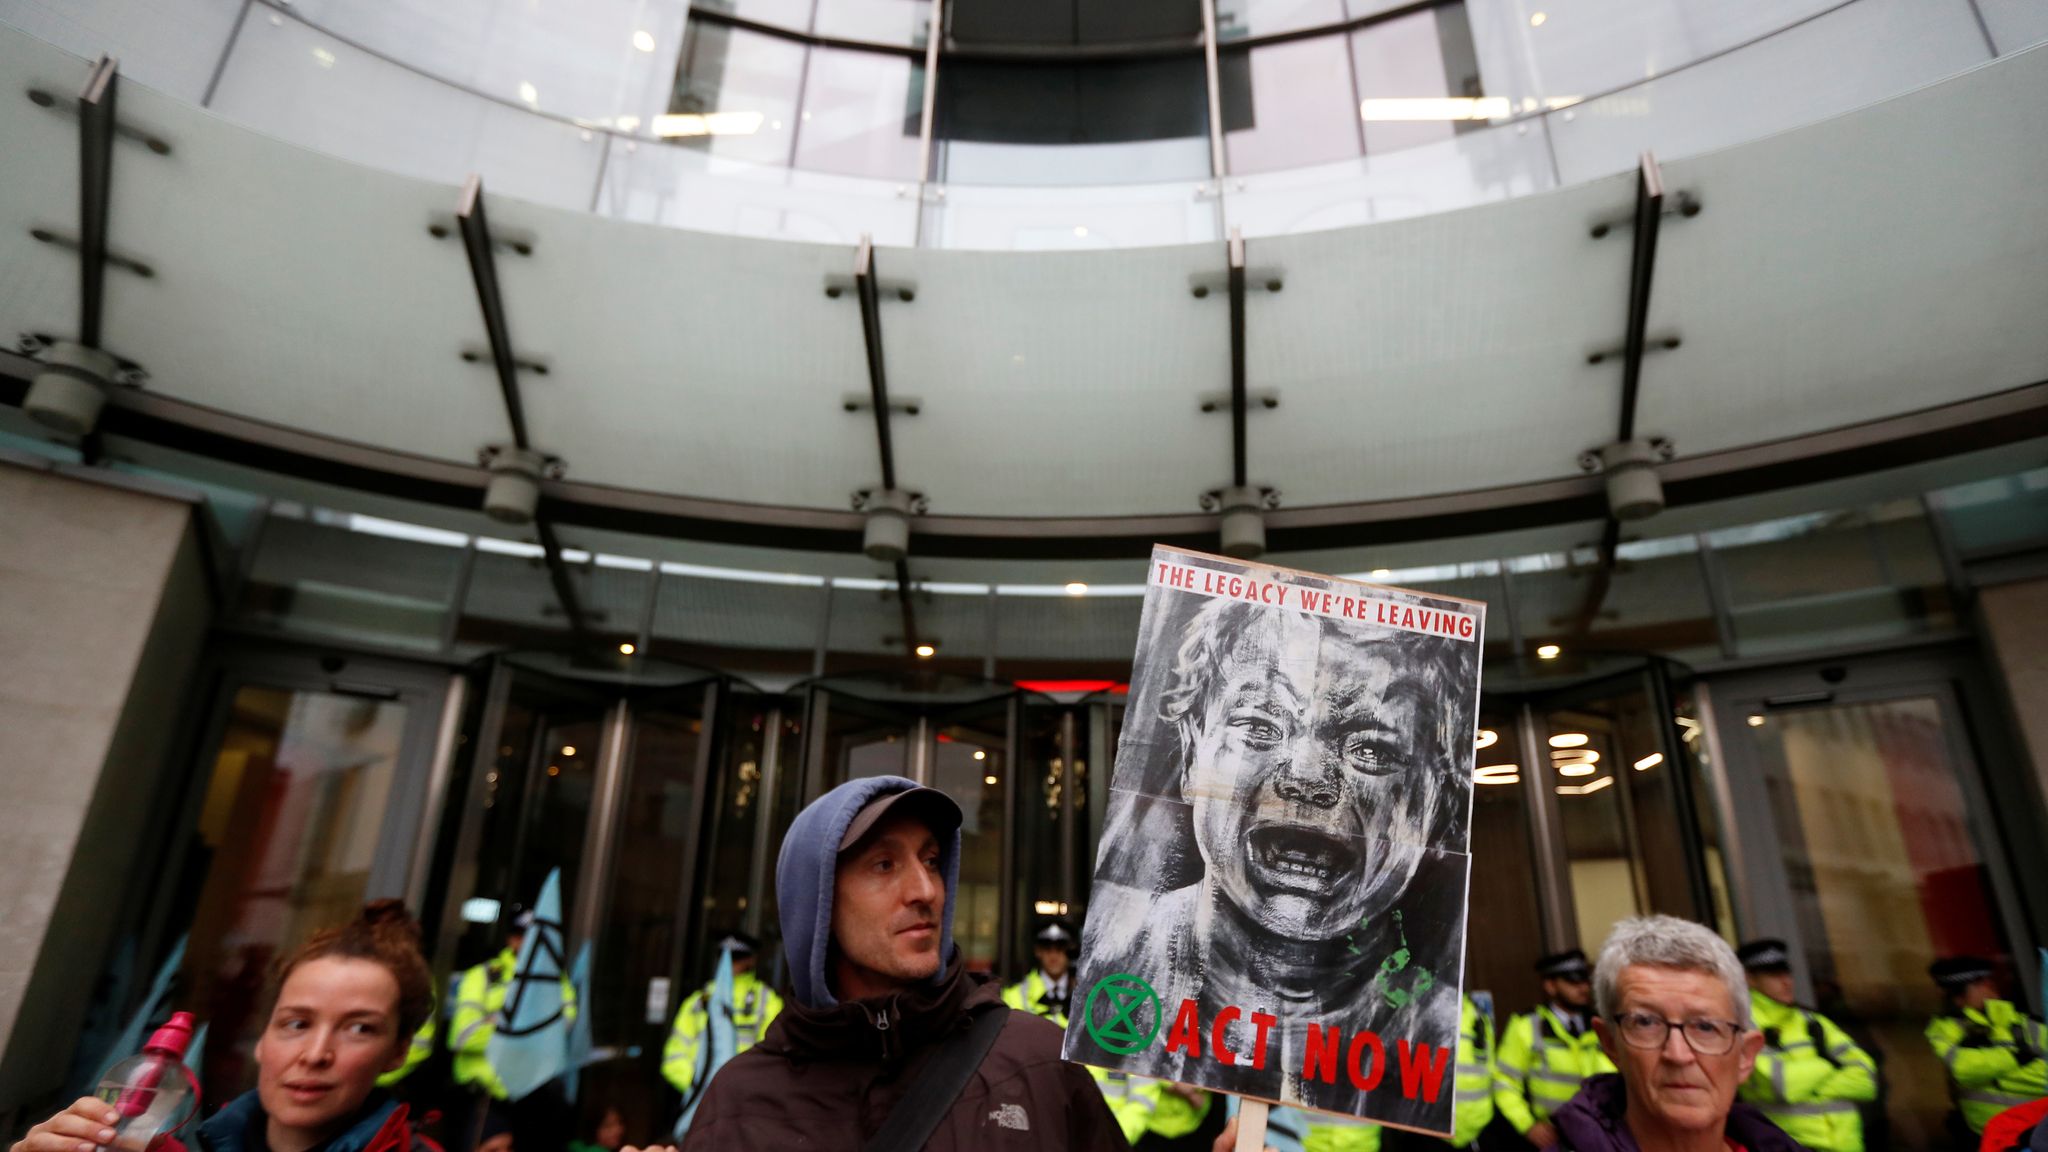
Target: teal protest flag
531	1044
579	1032
719	1039
153	1006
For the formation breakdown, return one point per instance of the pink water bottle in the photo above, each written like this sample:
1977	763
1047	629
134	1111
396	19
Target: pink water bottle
153	1091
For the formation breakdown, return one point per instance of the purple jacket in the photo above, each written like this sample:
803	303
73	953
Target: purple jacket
1593	1122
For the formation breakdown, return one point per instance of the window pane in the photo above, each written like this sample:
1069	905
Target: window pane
1886	874
976	785
1109	122
316	577
1288	105
1503	881
861	114
1418	80
289	829
1237	19
735	94
875	21
1848	577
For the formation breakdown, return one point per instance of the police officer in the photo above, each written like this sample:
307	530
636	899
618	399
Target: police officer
1810	1075
1992	1051
1544	1055
1048	991
1473	1103
473	1019
754	1007
416	1054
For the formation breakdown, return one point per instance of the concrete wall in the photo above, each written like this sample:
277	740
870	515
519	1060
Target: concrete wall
2015	621
104	607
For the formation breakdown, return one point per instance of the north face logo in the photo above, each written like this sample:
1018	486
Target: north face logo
1011	1116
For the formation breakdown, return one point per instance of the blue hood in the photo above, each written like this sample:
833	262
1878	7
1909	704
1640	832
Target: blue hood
228	1129
803	884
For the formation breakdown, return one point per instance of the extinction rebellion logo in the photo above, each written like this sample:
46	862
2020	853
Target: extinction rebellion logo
1120	1033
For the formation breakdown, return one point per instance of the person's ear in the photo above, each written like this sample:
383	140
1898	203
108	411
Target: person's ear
1609	1042
398	1054
1752	1042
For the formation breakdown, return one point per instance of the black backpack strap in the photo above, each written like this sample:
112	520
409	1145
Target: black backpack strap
946	1073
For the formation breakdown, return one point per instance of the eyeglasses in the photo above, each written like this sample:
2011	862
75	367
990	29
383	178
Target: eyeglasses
1705	1037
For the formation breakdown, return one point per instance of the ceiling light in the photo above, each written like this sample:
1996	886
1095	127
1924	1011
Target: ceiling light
926	651
1382	572
672	125
1049	908
325	57
627	649
1497	774
643	40
1080	230
554	769
1487	738
988	779
1756	721
1077	589
1576	768
980	755
1586	789
568	749
1649	762
1569	740
1377	109
1548	652
529	93
1536	19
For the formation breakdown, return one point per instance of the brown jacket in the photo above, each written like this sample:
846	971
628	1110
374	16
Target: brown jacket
823	1080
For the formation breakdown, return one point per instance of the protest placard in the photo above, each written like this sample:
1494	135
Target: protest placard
1279	900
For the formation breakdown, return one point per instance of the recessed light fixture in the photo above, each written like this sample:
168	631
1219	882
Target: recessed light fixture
988	779
643	40
926	651
1377	572
1080	230
1756	721
980	755
1536	19
1586	789
528	92
1487	738
1570	740
554	769
1649	762
325	57
1077	588
627	649
1548	652
1576	768
1497	774
568	749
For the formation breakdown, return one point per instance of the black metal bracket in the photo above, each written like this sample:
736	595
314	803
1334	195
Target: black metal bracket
1212	500
475	355
1684	203
95	191
483	270
867	287
1642	271
863	499
863	402
517	241
1589	460
58	239
149	140
838	284
1211	402
1668	342
1266	279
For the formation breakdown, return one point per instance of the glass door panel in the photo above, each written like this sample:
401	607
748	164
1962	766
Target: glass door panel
1503	887
290	827
1887	874
639	947
969	761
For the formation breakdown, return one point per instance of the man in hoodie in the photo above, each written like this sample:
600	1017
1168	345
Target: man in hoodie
1674	1016
866	882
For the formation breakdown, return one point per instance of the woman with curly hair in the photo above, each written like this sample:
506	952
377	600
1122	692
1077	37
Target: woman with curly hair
348	1002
